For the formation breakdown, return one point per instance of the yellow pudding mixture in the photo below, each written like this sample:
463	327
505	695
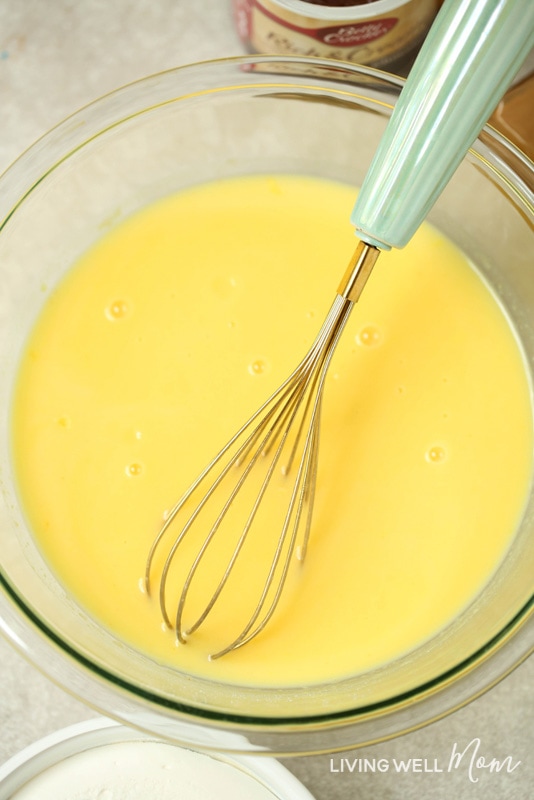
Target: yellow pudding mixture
170	332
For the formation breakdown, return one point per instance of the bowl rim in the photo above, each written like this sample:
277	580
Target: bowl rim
53	748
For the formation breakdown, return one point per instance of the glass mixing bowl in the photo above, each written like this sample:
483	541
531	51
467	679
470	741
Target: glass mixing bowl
182	127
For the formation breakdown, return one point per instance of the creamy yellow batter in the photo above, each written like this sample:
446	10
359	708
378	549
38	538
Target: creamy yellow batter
174	327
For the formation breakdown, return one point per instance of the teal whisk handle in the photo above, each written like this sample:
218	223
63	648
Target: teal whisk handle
470	56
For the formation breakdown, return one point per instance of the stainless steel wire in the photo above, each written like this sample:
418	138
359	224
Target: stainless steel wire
283	437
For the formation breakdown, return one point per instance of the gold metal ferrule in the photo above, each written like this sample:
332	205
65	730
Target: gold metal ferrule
357	272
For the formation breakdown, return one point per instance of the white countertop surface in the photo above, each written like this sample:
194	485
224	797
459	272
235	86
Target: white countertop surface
55	56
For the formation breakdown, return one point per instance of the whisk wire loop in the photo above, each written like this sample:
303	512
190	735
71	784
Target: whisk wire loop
288	423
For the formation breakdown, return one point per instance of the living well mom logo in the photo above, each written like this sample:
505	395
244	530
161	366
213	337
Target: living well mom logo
469	759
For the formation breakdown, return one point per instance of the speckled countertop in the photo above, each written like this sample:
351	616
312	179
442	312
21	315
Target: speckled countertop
55	56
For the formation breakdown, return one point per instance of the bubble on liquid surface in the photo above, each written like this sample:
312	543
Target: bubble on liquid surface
257	367
369	336
117	310
436	454
134	469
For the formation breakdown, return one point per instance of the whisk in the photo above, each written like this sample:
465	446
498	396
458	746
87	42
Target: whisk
469	57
